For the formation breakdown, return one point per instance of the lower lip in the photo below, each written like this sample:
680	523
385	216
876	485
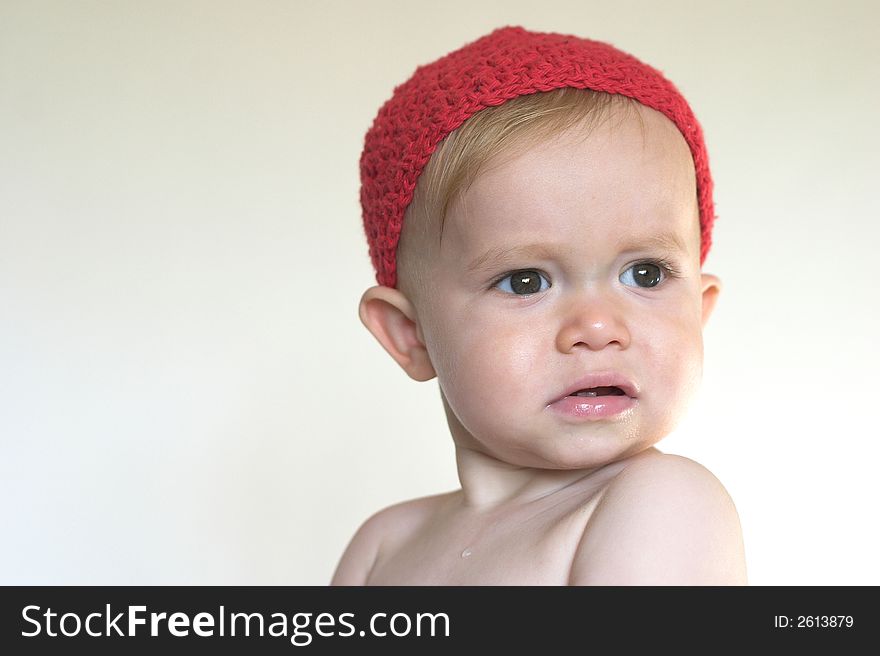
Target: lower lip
593	408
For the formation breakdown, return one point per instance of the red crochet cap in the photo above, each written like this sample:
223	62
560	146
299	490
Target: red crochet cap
507	63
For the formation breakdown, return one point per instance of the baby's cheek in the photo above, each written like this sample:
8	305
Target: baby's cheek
679	360
489	363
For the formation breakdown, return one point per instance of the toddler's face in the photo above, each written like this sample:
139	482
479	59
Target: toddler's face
572	266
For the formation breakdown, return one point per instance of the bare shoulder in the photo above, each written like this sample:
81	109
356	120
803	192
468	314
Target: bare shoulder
384	528
663	520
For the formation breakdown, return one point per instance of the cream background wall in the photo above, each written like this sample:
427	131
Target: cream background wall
186	393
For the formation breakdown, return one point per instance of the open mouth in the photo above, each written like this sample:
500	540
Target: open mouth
597	396
600	391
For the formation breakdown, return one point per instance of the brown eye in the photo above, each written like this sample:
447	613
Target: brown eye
523	283
644	274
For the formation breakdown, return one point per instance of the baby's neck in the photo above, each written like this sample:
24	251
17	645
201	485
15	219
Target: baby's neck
488	483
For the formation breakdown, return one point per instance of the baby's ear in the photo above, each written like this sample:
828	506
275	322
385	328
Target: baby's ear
390	316
711	288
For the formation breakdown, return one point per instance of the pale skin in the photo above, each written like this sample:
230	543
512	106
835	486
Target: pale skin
547	498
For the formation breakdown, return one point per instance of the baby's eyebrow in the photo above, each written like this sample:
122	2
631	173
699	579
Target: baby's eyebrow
667	242
496	256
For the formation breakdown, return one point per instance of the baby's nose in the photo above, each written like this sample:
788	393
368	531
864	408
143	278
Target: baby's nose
593	323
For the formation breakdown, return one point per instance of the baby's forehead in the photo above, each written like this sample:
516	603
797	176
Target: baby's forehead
638	142
628	175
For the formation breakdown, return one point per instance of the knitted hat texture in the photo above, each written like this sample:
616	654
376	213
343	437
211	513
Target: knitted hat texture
504	64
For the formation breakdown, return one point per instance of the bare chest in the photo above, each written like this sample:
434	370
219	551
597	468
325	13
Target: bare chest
517	548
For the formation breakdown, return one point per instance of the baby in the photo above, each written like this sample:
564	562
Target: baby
538	208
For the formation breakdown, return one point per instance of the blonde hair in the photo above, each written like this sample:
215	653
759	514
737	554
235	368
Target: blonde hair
492	133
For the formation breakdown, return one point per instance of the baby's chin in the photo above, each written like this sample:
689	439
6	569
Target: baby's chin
578	453
599	455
